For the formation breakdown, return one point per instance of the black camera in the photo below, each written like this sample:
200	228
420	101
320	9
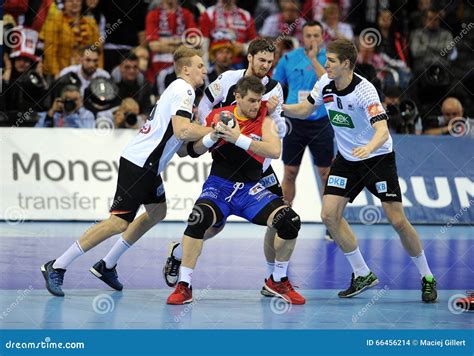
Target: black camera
69	105
403	117
130	119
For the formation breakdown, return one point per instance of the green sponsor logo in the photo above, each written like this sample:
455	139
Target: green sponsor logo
340	119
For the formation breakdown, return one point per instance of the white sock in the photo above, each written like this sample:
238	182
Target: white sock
422	264
280	270
357	263
178	252
117	250
270	268
73	252
185	274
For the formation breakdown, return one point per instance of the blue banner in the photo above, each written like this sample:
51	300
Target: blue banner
237	342
436	179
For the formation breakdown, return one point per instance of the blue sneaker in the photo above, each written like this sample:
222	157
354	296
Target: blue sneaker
108	276
54	278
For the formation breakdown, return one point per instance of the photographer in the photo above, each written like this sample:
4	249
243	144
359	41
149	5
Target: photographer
125	116
403	113
450	122
67	111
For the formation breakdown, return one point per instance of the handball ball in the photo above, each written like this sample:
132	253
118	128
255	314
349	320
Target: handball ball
227	118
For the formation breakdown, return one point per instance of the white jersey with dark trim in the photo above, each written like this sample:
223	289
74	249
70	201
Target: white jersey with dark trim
156	143
352	113
220	93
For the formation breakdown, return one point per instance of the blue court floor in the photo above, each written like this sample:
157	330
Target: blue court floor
228	279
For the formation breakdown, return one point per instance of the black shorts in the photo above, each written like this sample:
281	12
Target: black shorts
270	181
136	186
378	174
317	135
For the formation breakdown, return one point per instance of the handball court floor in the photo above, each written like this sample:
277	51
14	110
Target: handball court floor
228	278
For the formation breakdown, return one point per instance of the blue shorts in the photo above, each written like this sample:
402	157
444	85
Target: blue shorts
241	199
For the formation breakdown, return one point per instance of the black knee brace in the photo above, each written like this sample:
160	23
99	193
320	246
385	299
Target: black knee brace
287	223
199	221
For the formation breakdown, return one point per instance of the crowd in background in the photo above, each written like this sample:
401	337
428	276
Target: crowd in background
87	63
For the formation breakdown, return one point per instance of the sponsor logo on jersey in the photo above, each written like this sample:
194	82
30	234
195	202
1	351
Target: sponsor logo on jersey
340	119
268	181
375	109
328	98
336	181
381	187
145	129
215	88
350	107
190	92
257	188
160	190
255	137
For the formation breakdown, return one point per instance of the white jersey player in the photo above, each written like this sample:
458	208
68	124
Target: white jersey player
365	159
139	181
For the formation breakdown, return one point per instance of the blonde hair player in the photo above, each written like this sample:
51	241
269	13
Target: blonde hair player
139	182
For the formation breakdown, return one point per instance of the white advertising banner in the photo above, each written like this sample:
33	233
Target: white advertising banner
71	174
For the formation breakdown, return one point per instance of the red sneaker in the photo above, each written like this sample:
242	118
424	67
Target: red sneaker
284	290
183	294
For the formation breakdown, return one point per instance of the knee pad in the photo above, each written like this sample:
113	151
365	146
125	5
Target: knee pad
287	223
199	221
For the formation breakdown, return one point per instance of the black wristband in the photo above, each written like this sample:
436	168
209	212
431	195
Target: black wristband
190	150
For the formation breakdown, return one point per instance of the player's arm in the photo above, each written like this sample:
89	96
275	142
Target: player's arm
305	108
380	136
213	95
269	147
377	117
187	131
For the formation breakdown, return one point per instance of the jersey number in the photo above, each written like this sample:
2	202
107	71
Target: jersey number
339	103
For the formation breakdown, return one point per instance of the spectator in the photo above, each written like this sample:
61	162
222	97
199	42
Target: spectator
287	23
403	114
132	84
452	111
369	63
313	9
416	17
226	16
67	111
91	8
165	27
125	28
430	44
143	55
23	82
264	9
221	55
64	33
125	116
392	49
87	68
299	70
333	28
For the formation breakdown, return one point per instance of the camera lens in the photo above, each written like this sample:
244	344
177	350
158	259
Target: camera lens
69	105
131	119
